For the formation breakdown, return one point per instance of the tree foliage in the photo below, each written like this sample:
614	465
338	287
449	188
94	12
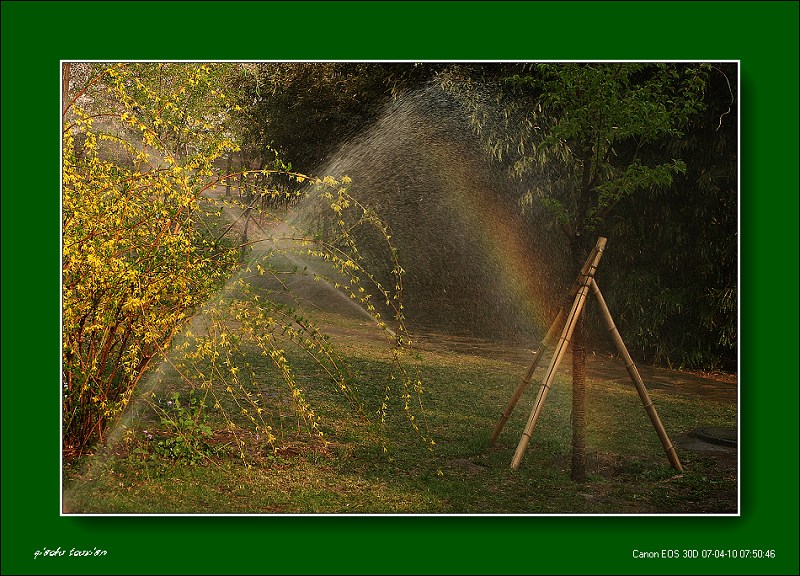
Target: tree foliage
679	303
645	154
578	133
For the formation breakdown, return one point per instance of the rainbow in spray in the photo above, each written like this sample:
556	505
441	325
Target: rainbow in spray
476	264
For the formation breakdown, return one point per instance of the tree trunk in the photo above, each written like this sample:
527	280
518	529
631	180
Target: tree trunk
228	180
247	196
65	70
579	337
579	402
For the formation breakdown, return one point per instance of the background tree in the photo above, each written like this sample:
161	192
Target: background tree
587	136
675	248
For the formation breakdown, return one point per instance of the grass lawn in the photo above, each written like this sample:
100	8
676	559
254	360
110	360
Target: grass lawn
367	470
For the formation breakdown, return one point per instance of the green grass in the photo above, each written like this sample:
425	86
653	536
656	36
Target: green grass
367	470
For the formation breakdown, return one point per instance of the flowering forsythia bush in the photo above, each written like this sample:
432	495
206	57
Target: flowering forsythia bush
141	146
134	262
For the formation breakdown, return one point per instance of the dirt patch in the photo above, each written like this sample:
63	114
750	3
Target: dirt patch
693	443
467	466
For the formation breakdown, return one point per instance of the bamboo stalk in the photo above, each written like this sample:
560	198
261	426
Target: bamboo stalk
558	354
637	380
587	272
526	380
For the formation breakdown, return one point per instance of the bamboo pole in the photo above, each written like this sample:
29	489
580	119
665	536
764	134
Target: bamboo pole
526	380
587	272
637	380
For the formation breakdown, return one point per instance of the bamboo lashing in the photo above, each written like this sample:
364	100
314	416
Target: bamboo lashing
637	380
577	308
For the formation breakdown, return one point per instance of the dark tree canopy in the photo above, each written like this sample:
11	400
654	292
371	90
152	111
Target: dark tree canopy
306	110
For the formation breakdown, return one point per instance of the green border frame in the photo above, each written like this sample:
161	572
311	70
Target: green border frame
36	35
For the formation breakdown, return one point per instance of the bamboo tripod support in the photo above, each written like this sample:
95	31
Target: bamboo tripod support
545	344
579	293
526	380
566	334
633	372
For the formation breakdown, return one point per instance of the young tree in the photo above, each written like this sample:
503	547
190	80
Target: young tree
585	136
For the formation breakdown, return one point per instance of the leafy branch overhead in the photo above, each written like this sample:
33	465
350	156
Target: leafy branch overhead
586	132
